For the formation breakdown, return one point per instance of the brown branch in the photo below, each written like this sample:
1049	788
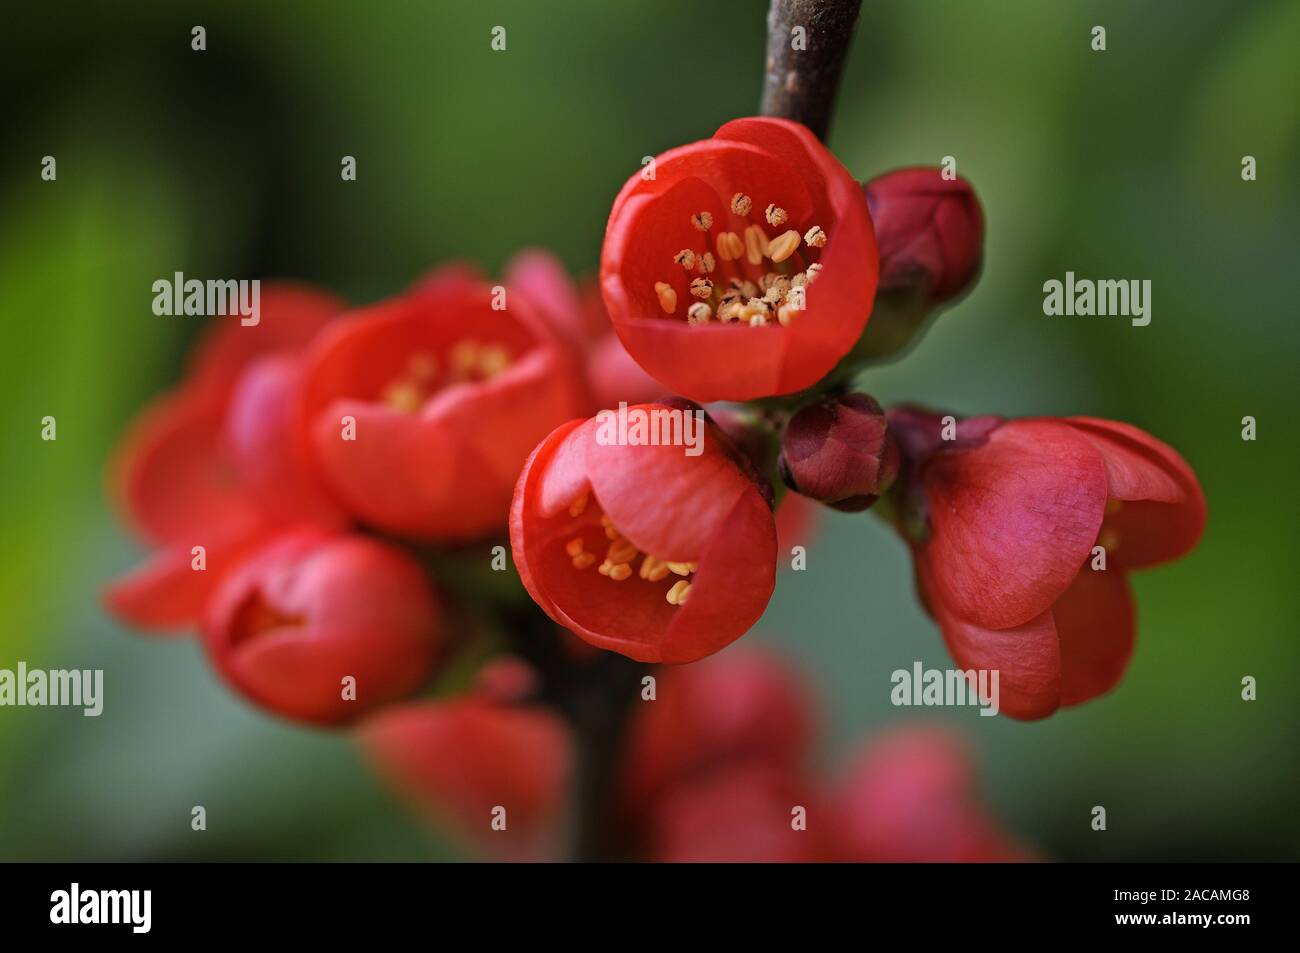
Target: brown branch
801	84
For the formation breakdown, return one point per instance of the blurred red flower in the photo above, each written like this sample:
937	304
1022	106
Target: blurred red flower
461	761
211	464
420	410
311	609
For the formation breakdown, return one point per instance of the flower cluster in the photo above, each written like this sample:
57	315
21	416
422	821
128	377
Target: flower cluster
330	495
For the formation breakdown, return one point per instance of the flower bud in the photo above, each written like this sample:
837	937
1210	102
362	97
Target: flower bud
839	451
930	231
320	627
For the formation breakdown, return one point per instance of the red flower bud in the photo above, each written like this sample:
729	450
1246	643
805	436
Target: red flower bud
839	451
469	762
643	549
910	797
743	813
312	609
930	231
420	410
741	266
1006	561
734	708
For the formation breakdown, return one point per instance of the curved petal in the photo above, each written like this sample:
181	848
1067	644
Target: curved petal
1027	657
1162	511
1012	520
1096	623
172	475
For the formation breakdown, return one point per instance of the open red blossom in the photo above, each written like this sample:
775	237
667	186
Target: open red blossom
738	707
183	482
910	797
643	549
321	627
498	775
1006	565
420	410
741	266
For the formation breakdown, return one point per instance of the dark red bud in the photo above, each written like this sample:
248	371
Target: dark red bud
929	231
839	451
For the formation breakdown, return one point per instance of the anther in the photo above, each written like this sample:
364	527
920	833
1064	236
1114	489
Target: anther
679	592
783	246
706	263
685	258
702	220
575	546
699	313
755	244
815	237
702	288
667	296
775	215
741	204
584	560
729	246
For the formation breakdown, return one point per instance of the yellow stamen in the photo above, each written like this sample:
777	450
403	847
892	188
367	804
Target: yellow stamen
679	593
584	560
755	244
577	506
620	572
667	296
783	246
729	246
575	546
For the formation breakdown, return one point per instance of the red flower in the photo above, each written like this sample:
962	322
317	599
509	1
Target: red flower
930	231
585	510
744	813
705	263
910	797
312	609
421	409
182	481
464	760
735	708
1005	563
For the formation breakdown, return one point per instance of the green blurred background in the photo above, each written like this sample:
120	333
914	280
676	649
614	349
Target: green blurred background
226	163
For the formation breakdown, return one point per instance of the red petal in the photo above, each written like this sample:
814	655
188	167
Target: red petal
1012	520
1164	513
1027	657
264	449
290	316
1095	621
166	593
173	476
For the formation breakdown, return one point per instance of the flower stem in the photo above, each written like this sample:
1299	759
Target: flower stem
807	45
